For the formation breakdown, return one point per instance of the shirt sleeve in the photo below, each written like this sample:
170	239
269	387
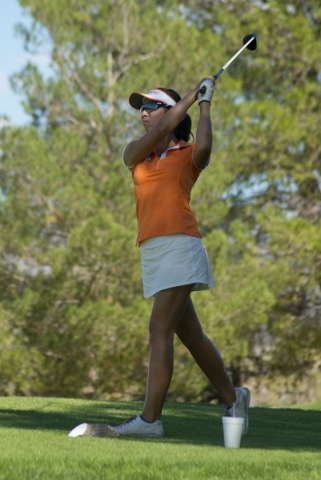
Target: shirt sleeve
130	167
197	168
194	169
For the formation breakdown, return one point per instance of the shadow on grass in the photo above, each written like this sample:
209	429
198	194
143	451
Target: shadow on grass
289	429
195	424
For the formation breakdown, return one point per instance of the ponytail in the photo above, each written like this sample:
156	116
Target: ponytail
183	131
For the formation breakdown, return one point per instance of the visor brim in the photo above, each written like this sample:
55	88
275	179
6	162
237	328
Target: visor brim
136	99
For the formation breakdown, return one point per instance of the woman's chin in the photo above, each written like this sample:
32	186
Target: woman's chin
146	127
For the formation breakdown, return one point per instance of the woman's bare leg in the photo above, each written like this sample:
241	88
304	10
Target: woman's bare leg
168	310
189	331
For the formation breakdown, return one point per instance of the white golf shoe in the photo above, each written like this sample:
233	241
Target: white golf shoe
240	407
136	426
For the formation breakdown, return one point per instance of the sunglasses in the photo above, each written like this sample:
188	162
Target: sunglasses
152	106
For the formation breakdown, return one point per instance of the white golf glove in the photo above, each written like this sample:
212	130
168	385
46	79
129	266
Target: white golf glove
207	95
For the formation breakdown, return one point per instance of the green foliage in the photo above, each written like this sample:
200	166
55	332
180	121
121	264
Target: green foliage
72	319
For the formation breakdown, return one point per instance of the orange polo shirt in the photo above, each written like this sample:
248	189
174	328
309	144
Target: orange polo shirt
163	191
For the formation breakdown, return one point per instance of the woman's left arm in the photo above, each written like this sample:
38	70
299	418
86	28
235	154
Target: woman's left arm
204	137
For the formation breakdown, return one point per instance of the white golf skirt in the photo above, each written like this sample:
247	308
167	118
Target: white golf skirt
174	260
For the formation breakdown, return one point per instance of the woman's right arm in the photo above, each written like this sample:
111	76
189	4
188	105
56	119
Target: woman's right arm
139	149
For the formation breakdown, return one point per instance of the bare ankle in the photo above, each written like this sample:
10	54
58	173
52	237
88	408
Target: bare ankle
149	418
230	399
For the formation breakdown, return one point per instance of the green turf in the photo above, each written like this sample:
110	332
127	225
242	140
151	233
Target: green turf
282	444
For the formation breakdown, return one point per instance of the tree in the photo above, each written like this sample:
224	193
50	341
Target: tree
72	317
69	228
271	156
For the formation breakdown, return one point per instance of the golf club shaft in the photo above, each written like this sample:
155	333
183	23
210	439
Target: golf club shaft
231	59
202	90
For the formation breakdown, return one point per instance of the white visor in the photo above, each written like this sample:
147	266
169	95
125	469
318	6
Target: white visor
136	99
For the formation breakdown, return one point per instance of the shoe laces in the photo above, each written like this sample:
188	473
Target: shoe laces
128	421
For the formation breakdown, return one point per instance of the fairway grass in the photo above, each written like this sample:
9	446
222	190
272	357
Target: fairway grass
282	444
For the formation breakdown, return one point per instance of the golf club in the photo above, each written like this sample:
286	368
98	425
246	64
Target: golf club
250	42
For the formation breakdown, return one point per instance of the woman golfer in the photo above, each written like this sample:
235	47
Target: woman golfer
164	168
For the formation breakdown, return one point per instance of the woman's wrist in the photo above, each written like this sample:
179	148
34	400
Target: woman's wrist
205	105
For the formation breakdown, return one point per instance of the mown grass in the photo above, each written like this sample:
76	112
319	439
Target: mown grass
34	444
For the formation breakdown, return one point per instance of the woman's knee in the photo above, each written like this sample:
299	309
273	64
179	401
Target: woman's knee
190	330
158	329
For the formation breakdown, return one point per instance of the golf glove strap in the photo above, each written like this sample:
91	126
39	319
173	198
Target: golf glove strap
208	94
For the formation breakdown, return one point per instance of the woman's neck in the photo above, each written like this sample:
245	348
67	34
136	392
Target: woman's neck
169	141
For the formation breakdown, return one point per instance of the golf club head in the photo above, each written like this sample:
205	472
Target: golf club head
253	45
